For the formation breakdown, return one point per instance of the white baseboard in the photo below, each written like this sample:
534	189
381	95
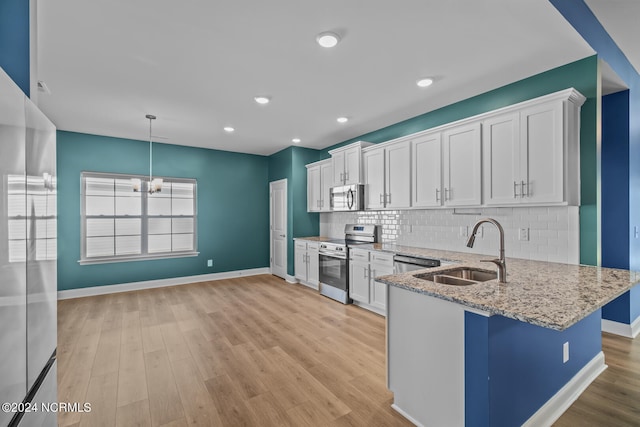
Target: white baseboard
291	279
404	414
148	284
564	398
622	329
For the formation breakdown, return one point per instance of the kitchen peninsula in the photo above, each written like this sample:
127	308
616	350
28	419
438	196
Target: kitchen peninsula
492	354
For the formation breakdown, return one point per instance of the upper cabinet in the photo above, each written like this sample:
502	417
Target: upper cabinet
523	154
426	169
387	176
462	162
531	156
347	163
319	182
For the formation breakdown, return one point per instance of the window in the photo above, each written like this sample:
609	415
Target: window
120	224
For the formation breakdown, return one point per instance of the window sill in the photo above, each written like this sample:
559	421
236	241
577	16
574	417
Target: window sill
107	260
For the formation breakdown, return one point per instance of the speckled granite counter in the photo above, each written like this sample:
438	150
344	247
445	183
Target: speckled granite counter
546	294
314	239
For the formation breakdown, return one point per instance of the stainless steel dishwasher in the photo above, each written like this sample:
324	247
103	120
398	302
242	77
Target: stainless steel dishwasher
404	263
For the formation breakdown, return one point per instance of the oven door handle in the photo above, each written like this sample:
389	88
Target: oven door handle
333	255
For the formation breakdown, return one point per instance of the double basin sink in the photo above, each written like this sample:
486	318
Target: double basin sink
460	276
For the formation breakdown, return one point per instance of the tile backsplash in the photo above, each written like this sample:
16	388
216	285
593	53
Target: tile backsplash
554	232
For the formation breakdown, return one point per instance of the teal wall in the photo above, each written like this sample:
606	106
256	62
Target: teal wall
581	75
14	41
232	202
290	164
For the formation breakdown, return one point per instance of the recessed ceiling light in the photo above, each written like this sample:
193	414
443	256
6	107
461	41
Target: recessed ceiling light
295	140
424	82
262	99
342	119
327	39
228	129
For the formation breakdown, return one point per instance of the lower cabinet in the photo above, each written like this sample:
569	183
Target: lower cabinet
306	263
364	267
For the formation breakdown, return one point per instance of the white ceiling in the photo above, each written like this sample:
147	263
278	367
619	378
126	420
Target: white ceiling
620	20
197	64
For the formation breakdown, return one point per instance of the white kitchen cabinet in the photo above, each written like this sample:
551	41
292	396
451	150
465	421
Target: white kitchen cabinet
426	169
542	154
319	182
347	163
531	155
398	175
462	164
381	265
373	165
364	267
359	275
501	137
306	263
387	176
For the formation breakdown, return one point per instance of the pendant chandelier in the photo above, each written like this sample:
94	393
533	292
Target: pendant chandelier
155	184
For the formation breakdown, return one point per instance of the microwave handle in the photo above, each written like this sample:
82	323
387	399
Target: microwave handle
350	199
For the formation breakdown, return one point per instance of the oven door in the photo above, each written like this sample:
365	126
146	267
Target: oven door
334	271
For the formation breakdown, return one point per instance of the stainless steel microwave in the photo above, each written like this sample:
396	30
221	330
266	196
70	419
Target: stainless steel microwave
347	198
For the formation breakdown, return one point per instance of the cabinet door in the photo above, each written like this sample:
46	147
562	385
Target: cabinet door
326	182
313	189
542	175
337	160
359	281
379	289
426	168
398	175
462	166
501	160
313	264
373	162
300	258
352	165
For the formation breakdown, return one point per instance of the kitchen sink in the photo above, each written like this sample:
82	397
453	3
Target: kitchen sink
461	276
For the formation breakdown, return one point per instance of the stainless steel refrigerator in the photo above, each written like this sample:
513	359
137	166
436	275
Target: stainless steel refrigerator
28	253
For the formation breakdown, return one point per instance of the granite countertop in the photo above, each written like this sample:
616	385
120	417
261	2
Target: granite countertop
314	238
547	294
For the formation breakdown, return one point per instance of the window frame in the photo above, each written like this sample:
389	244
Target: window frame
144	220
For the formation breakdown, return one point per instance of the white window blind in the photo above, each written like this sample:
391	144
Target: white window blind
120	224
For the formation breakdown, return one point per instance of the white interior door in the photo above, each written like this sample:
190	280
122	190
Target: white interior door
278	225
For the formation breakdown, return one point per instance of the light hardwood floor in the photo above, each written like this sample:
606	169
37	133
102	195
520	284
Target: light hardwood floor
258	351
252	351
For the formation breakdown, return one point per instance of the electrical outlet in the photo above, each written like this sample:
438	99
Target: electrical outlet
523	234
565	352
464	231
209	263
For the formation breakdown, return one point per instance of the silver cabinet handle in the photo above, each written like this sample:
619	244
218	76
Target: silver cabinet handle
515	193
283	235
437	194
446	194
381	201
346	176
387	199
366	273
523	194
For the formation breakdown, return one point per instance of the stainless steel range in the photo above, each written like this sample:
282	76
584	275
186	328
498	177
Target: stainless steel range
334	260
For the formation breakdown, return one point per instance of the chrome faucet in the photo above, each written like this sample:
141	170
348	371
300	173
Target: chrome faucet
500	261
